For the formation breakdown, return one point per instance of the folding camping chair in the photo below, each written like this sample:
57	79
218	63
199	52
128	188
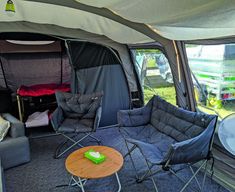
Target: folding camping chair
165	136
76	115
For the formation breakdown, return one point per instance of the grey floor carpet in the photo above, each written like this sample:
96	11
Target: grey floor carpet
44	173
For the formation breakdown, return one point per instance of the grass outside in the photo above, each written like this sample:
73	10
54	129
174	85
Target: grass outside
227	109
151	63
168	93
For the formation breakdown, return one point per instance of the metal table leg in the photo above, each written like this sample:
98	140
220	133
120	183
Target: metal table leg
71	181
119	184
81	182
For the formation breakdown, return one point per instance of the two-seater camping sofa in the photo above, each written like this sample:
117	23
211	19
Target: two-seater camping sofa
167	135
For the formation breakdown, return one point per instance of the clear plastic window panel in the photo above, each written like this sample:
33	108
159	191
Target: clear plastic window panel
154	74
213	72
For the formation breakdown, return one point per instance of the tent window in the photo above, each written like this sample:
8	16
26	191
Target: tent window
213	71
155	74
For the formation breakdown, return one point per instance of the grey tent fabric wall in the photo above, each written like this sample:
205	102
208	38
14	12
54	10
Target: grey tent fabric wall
66	69
98	68
111	80
34	68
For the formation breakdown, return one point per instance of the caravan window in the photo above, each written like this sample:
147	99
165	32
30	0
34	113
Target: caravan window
213	71
155	74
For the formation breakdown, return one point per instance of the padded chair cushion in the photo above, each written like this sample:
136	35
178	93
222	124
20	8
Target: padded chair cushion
144	135
149	151
176	122
14	151
75	125
4	127
78	105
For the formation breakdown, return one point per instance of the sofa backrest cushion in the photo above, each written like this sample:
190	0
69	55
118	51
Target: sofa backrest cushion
175	122
78	105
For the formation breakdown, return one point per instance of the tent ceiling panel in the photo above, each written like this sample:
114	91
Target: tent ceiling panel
200	19
74	19
152	11
178	20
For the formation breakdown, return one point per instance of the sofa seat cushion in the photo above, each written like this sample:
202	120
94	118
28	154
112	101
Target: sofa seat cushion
14	151
148	136
151	152
145	133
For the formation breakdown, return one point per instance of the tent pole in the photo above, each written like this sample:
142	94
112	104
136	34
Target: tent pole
177	60
74	88
19	107
61	66
3	72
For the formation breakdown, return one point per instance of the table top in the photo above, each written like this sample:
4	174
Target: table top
80	166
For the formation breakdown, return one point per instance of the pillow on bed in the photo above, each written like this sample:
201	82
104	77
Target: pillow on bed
4	127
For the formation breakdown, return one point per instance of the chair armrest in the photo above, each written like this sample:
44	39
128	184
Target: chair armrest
17	127
134	117
194	149
97	118
57	117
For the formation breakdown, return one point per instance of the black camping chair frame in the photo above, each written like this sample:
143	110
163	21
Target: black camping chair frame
72	138
149	173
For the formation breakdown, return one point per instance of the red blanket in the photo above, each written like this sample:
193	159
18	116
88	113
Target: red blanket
42	89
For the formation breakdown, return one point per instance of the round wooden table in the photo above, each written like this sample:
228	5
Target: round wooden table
82	168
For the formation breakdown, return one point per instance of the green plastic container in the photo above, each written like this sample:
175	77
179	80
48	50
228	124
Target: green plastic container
94	156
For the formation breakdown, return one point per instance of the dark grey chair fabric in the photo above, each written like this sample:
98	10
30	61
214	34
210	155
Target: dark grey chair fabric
14	149
77	113
167	135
